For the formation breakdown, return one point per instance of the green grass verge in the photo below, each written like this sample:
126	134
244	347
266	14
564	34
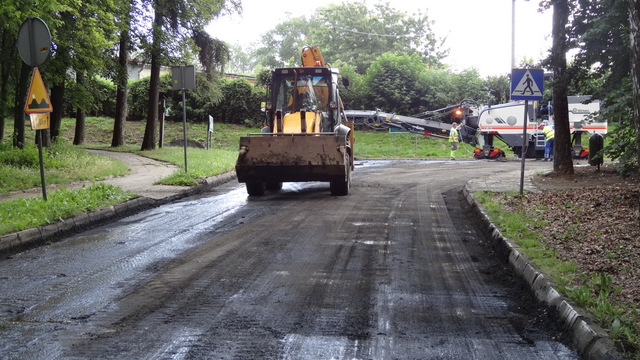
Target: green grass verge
524	228
21	214
385	145
63	163
594	293
201	163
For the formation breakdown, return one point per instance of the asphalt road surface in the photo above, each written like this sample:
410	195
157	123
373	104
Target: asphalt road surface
395	270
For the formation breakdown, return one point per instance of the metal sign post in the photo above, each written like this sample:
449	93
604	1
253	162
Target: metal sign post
526	84
38	106
523	153
34	45
182	78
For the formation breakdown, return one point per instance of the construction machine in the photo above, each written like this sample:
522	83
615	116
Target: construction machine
481	124
306	136
506	122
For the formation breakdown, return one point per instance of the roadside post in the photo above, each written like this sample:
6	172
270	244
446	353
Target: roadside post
34	46
526	84
182	78
210	134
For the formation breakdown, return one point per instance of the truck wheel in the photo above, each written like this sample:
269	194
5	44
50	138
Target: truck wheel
274	186
255	188
341	187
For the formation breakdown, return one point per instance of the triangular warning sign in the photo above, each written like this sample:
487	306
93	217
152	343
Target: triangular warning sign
38	99
527	86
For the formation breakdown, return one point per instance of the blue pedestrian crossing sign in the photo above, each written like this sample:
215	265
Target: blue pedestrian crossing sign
527	84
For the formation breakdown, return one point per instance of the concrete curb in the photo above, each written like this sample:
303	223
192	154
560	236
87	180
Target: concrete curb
41	235
591	341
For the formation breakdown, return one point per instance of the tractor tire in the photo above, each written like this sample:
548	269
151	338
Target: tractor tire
341	187
274	186
255	188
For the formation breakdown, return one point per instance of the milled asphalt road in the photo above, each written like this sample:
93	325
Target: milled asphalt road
591	342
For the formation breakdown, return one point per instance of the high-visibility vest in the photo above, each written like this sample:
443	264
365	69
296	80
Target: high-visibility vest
549	132
453	135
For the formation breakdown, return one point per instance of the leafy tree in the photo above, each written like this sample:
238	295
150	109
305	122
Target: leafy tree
352	33
357	34
499	88
281	46
240	61
84	29
438	89
563	161
213	54
604	32
353	96
622	138
469	84
120	75
393	83
634	24
442	88
600	32
175	23
9	60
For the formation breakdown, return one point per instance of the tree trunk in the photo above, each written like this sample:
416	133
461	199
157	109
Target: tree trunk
18	111
562	153
149	141
634	43
57	102
6	68
121	92
78	138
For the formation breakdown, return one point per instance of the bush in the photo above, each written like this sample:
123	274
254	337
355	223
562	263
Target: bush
621	139
138	96
233	101
19	158
200	101
105	92
97	96
241	104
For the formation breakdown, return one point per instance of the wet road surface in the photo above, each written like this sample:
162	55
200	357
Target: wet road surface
395	270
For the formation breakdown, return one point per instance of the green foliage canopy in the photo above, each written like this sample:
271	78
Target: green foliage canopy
353	33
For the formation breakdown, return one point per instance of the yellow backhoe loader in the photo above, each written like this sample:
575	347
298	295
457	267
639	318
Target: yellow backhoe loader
306	136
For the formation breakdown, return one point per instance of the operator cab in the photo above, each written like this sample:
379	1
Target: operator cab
303	100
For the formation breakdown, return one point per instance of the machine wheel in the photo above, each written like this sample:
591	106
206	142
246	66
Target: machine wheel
341	187
274	186
255	188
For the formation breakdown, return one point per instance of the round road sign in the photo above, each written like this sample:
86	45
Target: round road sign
34	41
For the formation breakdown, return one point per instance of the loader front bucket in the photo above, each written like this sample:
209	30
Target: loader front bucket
275	158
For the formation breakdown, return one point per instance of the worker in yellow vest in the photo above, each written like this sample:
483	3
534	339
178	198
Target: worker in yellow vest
453	139
549	133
